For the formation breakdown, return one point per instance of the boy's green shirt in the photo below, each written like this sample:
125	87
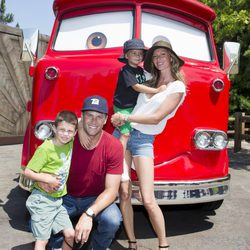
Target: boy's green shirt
49	158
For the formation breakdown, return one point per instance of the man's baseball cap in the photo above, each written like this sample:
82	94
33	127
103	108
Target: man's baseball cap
95	103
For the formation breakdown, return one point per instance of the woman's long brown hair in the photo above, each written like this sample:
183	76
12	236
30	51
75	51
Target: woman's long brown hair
176	73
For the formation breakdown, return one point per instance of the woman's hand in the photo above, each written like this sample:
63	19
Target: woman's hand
117	119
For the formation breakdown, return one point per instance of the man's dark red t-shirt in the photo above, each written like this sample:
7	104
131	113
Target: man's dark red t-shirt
89	167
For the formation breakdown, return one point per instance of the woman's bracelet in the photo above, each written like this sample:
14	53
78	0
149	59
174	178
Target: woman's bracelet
125	117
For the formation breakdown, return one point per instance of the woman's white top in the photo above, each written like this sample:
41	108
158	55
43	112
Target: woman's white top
147	106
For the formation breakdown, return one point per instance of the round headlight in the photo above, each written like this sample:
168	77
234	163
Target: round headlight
202	139
220	140
43	131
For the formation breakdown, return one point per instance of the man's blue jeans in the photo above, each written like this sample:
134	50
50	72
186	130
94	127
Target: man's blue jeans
108	221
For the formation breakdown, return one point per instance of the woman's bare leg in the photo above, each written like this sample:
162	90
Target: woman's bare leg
126	206
145	172
124	140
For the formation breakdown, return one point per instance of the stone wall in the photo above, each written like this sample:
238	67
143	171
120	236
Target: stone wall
15	82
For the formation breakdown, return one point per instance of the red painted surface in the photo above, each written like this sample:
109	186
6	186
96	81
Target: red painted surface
83	73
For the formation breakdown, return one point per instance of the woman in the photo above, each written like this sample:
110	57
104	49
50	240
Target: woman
148	119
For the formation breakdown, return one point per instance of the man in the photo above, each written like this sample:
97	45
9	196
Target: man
94	177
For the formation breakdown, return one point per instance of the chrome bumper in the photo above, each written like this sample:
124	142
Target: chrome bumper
174	193
188	192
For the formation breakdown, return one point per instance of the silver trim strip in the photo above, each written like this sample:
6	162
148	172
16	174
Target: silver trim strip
175	193
187	192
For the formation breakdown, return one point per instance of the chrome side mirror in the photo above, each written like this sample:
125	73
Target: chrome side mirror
231	57
30	45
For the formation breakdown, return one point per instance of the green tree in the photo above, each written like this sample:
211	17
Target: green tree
5	18
233	24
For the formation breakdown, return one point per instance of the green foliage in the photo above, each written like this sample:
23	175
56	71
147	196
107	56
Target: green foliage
5	18
233	24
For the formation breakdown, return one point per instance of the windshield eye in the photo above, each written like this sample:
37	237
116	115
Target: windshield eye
94	31
96	40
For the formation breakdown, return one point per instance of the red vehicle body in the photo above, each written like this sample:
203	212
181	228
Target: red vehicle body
191	159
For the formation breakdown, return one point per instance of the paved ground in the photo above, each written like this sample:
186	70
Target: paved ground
225	229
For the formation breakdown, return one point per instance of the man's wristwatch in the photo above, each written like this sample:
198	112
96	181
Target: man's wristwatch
89	212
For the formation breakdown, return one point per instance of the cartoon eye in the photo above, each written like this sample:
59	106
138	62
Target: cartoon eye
83	32
96	40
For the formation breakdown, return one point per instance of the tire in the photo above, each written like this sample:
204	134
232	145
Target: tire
209	206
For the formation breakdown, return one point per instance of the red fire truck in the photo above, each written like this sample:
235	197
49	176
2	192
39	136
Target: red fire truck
191	159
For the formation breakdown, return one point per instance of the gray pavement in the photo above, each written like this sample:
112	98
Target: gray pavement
188	228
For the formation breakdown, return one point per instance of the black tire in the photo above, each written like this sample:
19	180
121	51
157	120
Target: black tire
209	206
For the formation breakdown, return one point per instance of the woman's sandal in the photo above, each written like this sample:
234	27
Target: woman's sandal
130	243
161	247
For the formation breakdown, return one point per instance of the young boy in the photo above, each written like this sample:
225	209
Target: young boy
129	85
50	164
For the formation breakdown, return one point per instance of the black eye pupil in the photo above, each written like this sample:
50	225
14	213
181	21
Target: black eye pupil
96	41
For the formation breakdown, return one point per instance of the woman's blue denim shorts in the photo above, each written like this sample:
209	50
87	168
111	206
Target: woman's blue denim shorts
139	144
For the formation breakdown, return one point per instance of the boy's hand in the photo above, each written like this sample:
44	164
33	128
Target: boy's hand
161	88
47	187
51	183
52	179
